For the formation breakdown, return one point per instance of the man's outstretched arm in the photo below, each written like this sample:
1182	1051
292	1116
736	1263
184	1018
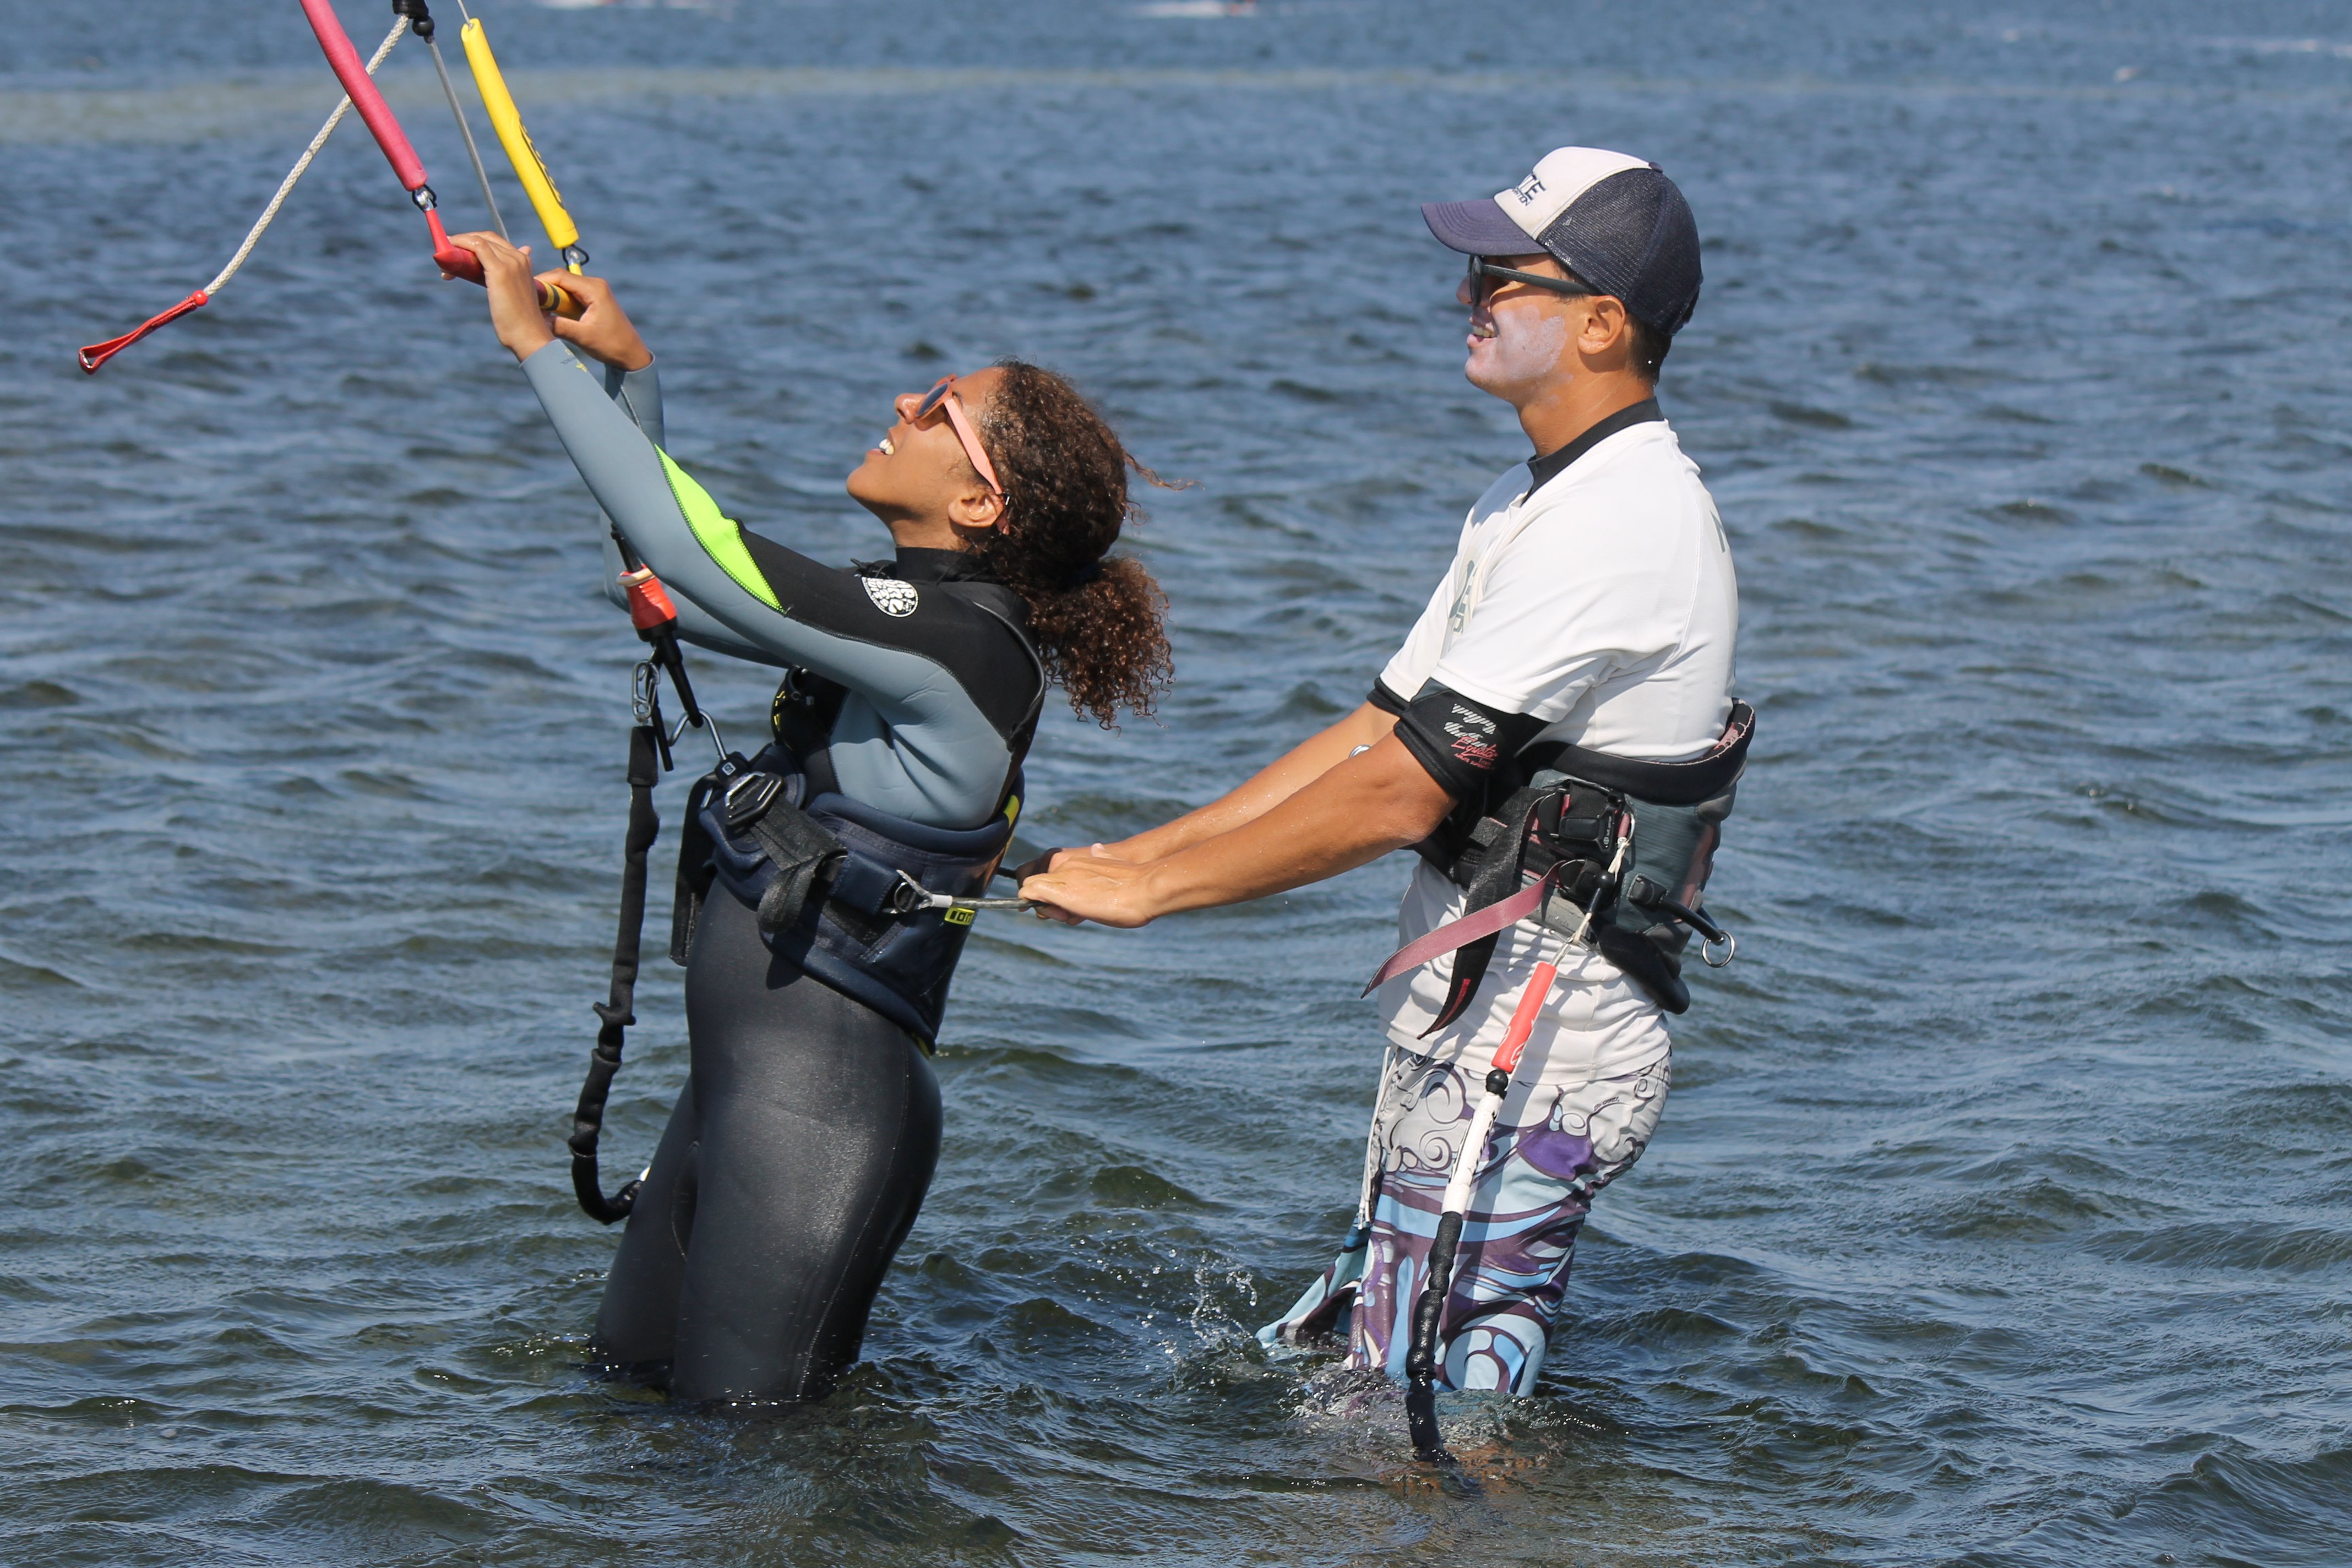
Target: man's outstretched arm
1261	792
1296	824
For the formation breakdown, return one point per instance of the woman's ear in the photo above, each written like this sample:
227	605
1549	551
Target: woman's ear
976	513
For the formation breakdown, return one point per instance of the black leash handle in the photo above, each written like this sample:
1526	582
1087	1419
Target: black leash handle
618	1012
1421	1360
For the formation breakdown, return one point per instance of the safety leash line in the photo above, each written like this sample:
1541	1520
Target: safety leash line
96	354
421	23
655	616
1429	1310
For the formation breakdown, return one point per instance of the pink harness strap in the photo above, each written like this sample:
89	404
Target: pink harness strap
1477	923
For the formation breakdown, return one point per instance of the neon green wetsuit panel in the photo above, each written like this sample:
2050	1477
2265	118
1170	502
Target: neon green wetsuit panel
722	536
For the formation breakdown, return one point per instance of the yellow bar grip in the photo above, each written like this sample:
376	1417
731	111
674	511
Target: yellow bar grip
507	121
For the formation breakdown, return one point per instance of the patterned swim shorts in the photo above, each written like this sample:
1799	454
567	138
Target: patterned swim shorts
1554	1145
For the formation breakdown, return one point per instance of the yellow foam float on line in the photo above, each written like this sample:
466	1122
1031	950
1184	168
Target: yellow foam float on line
522	151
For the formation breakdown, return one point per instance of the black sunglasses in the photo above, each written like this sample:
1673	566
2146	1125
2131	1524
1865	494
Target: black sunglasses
1480	269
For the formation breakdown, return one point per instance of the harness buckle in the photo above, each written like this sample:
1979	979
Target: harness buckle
748	798
1707	951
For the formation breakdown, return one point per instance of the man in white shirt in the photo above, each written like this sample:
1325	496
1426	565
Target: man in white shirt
1584	633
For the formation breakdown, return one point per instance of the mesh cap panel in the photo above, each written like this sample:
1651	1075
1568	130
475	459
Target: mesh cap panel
1632	235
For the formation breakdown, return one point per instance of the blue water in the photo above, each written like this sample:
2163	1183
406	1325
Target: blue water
2000	1216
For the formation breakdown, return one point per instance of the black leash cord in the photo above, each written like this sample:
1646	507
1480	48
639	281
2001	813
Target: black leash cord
618	1013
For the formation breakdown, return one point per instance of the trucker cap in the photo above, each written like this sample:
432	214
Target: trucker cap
1616	222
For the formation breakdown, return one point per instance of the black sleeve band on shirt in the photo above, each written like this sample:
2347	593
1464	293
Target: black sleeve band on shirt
1459	741
1387	701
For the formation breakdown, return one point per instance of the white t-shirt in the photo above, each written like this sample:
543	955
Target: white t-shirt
1604	604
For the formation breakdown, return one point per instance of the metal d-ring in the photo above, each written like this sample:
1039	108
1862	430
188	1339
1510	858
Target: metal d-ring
1707	951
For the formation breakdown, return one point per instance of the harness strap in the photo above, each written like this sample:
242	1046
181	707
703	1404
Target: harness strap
1692	782
618	1013
1485	922
1494	876
805	856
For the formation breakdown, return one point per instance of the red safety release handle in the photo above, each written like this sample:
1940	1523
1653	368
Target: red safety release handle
649	603
1523	1022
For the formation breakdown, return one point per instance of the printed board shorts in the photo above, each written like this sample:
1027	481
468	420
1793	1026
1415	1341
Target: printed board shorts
1554	1146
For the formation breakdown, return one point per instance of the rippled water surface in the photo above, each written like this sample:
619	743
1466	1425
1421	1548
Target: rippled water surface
2003	1213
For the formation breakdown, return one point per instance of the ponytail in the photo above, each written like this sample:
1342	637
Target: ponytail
1099	620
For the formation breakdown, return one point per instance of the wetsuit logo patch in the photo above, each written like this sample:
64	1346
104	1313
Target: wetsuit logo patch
1473	737
891	596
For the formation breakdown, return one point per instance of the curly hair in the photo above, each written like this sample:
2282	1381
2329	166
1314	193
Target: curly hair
1100	619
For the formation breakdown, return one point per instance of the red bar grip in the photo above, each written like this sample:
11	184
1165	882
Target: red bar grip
453	260
649	602
96	354
352	72
1523	1022
460	262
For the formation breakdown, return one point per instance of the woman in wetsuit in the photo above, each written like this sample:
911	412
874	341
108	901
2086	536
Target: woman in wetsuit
803	1143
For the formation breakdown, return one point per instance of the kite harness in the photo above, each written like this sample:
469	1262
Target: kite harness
870	904
1560	846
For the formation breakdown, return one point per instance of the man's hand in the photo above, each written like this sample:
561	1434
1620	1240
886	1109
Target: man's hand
1095	887
1076	886
515	315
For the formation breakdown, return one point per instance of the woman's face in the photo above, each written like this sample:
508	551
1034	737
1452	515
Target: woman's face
918	473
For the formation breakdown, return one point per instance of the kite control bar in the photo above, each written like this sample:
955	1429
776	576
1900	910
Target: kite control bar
381	124
96	354
349	69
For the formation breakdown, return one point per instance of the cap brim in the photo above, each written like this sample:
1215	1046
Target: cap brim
1477	228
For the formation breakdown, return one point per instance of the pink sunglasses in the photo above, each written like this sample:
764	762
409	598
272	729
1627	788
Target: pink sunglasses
943	394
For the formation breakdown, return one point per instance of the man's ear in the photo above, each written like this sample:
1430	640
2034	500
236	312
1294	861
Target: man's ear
1608	331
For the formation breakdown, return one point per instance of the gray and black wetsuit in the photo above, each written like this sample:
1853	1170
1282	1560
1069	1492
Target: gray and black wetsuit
804	1138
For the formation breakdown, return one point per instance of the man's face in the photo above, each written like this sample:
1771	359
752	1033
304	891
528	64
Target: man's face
1521	336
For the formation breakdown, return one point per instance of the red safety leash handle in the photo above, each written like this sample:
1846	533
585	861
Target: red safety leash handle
650	608
96	354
